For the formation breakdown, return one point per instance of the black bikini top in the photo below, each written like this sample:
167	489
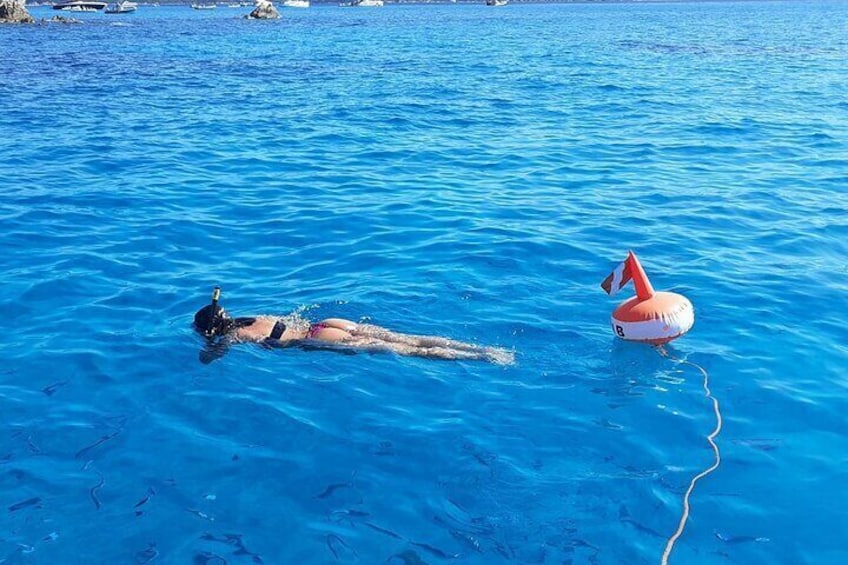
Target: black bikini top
277	331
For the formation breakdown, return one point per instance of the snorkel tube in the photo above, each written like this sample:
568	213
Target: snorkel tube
212	320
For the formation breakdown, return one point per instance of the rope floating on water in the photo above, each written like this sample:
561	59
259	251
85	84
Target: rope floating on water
711	439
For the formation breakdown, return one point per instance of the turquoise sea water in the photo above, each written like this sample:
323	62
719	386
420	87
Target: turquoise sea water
454	170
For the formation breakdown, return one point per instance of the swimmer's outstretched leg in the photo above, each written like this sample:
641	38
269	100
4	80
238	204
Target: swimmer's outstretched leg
490	354
460	349
371	337
368	330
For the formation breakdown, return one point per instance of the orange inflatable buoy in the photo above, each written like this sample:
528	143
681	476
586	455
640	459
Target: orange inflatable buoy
650	316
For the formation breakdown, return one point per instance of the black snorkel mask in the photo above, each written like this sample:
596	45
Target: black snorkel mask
212	320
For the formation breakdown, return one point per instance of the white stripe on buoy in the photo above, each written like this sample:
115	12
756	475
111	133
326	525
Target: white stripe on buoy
670	322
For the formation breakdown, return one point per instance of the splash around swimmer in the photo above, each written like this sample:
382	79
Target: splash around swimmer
222	330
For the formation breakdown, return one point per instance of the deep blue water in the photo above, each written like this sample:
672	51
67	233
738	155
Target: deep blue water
454	170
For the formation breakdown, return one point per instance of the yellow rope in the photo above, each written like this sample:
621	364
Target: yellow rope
710	438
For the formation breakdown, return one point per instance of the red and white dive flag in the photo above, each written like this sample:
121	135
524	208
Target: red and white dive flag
619	277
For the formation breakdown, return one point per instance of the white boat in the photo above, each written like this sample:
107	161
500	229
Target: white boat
204	6
79	6
295	3
124	7
497	2
362	4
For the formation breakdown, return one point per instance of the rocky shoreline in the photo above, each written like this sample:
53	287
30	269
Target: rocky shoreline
14	12
263	10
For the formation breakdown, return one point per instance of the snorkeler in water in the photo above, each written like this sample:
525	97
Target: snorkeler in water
213	322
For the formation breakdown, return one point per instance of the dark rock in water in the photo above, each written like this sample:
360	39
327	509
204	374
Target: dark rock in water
13	11
63	20
263	10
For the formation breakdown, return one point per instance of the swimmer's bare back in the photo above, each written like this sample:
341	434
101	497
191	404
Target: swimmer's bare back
367	337
332	330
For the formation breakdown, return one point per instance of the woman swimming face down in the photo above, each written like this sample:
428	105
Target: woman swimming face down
213	322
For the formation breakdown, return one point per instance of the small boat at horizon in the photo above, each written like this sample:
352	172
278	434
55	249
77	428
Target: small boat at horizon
497	2
295	3
204	6
80	6
124	7
362	4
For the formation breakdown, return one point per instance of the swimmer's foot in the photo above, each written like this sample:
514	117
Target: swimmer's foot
499	356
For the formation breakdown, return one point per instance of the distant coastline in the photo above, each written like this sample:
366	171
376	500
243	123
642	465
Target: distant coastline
171	3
